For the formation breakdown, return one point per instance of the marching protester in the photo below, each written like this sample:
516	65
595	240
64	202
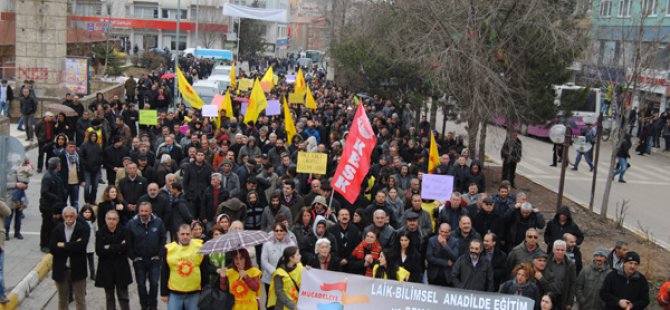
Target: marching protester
363	211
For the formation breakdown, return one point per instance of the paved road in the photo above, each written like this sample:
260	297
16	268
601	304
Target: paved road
647	180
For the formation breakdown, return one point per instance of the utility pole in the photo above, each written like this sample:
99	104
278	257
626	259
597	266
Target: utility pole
176	57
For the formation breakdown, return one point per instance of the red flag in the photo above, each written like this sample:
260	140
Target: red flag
337	286
355	161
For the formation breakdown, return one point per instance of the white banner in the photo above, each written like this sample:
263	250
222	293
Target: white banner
269	15
328	290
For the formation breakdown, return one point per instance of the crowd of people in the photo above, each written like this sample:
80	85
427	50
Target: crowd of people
188	181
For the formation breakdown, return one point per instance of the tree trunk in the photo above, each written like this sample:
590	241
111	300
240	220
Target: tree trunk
482	144
472	129
433	111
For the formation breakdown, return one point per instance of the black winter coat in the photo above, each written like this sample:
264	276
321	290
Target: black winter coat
74	250
90	156
112	251
477	278
555	230
617	286
52	191
180	214
132	190
146	241
105	206
160	206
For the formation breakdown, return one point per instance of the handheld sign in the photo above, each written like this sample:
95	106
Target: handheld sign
312	163
437	187
148	117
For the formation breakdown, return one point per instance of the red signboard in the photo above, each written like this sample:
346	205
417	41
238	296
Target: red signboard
134	23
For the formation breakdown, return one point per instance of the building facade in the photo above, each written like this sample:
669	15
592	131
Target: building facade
622	30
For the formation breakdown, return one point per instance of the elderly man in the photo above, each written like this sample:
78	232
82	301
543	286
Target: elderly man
590	280
385	233
519	219
627	288
465	234
68	247
424	219
564	273
523	253
453	210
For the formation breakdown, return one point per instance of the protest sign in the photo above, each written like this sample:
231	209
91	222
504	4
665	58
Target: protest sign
148	117
298	98
273	108
210	110
290	78
245	84
312	162
436	186
329	290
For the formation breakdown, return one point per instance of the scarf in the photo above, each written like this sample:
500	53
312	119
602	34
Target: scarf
72	158
324	261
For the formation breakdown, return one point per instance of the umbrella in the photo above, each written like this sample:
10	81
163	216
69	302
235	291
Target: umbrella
234	240
56	108
167	76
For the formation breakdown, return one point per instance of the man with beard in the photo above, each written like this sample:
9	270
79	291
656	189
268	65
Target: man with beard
626	289
255	211
424	222
472	273
590	280
215	194
160	204
197	177
274	209
229	179
347	237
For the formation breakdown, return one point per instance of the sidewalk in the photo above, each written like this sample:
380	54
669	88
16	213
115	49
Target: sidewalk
23	257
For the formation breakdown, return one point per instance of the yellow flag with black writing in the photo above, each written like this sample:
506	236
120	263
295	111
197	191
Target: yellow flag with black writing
434	156
310	103
187	92
257	103
289	126
233	77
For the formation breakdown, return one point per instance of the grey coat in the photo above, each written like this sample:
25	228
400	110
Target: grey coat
589	282
268	218
272	252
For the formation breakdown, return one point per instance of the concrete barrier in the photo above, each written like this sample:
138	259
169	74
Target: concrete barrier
29	283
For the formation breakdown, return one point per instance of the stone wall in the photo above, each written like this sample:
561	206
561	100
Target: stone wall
41	43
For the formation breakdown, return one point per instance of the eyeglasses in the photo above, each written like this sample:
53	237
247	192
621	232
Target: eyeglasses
532	237
279	230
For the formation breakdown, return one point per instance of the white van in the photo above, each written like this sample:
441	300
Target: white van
207	89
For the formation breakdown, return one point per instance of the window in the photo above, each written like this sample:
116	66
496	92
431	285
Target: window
606	8
172	14
649	7
88	9
146	12
624	8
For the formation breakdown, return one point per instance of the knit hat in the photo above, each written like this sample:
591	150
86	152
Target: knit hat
631	256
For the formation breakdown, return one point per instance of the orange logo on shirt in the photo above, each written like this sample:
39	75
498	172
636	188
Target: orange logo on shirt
185	268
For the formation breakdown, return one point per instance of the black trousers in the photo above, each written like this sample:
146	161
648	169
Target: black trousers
509	172
45	231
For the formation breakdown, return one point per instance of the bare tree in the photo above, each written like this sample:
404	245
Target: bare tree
208	35
638	58
496	58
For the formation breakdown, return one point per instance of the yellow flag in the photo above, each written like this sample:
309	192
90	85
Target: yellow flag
233	77
268	80
434	156
300	85
227	104
257	103
310	103
289	126
187	92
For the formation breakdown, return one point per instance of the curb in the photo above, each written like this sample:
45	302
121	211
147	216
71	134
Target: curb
29	283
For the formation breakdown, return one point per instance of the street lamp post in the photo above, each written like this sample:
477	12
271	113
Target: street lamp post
599	132
197	23
561	134
176	57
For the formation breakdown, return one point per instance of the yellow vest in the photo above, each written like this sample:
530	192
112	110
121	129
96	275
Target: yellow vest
245	298
289	287
402	273
184	263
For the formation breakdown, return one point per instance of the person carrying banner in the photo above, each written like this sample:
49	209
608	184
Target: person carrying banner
285	285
